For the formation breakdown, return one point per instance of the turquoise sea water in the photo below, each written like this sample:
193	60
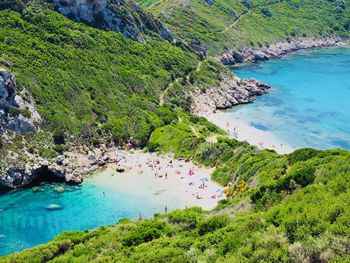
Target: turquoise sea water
26	221
309	104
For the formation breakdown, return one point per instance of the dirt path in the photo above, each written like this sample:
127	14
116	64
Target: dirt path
246	12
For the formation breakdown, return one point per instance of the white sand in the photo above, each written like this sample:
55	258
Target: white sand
242	131
146	179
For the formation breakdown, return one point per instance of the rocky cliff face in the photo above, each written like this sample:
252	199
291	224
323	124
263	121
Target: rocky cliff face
232	91
118	15
16	115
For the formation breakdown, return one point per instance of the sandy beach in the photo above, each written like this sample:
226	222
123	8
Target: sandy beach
173	183
242	131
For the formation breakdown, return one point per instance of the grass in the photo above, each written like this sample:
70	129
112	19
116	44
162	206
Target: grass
228	25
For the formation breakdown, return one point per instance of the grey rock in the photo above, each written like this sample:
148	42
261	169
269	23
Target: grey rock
11	105
21	125
232	91
91	156
117	15
60	160
210	2
259	55
228	59
238	57
7	89
277	50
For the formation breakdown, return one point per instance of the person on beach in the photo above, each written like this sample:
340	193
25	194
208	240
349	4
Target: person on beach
166	175
166	209
198	196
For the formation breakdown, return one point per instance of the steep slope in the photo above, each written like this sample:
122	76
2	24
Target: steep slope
89	85
297	212
230	25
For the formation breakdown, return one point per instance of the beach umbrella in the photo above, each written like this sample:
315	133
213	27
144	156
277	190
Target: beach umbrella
203	179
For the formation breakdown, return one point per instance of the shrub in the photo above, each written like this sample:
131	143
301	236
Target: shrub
302	155
212	224
189	218
144	232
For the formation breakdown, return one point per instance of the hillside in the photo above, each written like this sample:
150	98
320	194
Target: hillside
88	83
225	25
294	209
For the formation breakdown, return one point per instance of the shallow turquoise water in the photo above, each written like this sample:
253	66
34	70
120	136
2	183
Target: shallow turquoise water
309	104
25	220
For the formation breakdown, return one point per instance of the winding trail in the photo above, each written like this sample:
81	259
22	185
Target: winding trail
246	12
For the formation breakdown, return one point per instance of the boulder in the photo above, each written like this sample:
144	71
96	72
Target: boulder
238	57
60	159
259	55
91	157
228	59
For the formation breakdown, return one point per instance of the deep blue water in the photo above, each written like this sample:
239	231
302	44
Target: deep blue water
25	220
309	104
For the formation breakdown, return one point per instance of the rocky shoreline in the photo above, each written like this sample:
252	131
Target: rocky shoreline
276	50
231	92
70	167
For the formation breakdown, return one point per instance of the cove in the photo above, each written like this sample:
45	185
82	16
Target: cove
309	103
28	218
33	216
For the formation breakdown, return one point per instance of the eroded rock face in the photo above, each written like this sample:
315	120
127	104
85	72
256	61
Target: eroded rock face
7	89
12	106
232	91
118	15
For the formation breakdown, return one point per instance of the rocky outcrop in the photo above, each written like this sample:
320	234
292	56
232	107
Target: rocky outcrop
232	91
30	169
16	115
276	50
118	15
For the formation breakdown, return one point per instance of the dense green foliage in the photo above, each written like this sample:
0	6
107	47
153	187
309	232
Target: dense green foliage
96	84
89	81
230	24
303	221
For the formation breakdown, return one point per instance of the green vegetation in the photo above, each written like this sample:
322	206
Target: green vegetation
97	86
295	214
87	81
228	24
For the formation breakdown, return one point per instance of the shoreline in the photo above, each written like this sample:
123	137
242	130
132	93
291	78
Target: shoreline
242	131
165	180
142	174
277	50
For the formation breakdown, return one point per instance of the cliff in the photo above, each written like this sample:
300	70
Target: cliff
117	15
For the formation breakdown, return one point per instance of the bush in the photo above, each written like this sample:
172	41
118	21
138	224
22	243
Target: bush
302	155
212	224
145	232
47	153
189	218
